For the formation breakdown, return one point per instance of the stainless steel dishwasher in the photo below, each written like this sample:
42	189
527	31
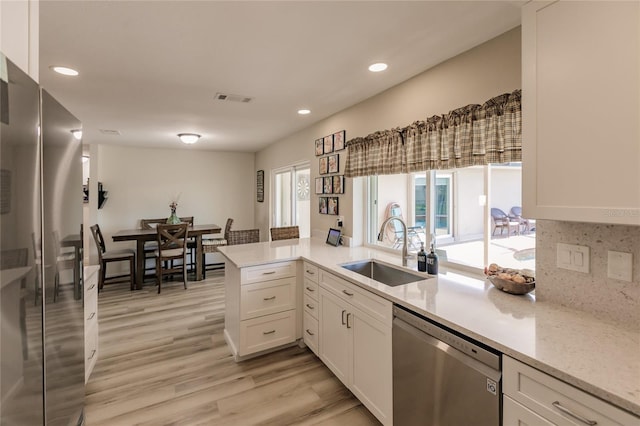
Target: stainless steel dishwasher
441	378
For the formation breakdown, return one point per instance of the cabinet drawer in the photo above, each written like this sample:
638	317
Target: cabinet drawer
90	350
272	271
514	413
555	400
262	333
310	332
311	289
310	272
311	306
367	302
268	297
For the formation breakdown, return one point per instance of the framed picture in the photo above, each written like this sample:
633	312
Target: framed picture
332	205
323	165
338	140
333	237
322	205
333	166
328	183
319	146
260	186
319	185
338	184
328	144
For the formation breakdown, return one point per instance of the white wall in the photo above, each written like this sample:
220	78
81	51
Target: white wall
475	76
142	182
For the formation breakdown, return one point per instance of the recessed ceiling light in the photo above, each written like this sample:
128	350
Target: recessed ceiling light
64	70
377	67
77	133
189	138
304	111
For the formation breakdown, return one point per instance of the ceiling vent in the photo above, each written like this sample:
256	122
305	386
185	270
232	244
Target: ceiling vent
232	98
110	132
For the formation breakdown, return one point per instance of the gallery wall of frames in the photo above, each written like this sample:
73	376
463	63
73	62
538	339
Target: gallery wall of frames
330	183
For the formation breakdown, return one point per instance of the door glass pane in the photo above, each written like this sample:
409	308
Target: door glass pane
303	201
420	200
443	205
282	208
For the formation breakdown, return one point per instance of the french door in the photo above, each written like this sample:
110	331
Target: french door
292	197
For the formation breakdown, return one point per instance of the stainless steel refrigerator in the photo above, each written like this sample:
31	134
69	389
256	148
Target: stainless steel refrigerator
41	306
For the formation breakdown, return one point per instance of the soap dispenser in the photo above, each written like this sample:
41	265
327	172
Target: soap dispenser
432	262
422	259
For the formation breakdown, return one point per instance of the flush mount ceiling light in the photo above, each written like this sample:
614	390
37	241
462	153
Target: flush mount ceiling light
189	138
304	111
64	70
77	133
377	67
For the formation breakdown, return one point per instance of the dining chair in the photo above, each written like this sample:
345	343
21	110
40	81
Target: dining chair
64	260
150	247
105	257
285	233
243	236
172	245
527	225
210	245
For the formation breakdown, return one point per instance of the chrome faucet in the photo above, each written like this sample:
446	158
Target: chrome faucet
405	250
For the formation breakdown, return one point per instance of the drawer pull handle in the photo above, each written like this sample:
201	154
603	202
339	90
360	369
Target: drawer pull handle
92	287
269	273
269	298
268	332
310	306
310	272
570	413
347	293
310	289
93	353
348	315
93	314
310	333
343	321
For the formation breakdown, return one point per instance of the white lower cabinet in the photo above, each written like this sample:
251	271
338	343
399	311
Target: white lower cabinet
532	397
356	346
261	307
90	319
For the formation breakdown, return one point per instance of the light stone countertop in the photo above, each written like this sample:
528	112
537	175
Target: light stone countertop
599	357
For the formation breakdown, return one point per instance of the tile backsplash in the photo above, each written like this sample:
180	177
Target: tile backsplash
594	292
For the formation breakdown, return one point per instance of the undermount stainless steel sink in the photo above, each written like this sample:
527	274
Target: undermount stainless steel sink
385	274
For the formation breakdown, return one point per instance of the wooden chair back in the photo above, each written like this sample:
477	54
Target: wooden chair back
285	233
99	239
172	237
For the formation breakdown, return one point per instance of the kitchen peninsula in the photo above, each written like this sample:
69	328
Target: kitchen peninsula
595	356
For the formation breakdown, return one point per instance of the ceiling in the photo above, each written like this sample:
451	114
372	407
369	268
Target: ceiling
151	69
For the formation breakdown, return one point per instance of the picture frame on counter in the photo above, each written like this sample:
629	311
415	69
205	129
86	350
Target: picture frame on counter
319	185
339	140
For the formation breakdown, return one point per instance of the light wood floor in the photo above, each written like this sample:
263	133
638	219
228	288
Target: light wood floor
163	361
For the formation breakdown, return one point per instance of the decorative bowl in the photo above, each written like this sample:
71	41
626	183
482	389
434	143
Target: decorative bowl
511	287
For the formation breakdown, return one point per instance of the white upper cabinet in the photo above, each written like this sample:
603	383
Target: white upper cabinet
581	111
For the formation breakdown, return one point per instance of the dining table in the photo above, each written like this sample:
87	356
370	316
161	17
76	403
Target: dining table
140	236
75	241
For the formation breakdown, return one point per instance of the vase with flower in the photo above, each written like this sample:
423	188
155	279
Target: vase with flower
173	219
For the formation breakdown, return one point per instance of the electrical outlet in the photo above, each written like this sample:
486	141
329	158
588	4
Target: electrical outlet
620	265
573	257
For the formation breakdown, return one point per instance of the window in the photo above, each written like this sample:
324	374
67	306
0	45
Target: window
291	197
453	209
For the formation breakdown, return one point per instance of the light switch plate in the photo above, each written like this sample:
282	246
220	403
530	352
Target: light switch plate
620	265
573	257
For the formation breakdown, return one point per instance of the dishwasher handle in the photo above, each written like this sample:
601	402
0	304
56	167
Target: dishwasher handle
439	345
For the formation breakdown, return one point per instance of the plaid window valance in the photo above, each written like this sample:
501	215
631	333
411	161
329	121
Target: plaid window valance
468	136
